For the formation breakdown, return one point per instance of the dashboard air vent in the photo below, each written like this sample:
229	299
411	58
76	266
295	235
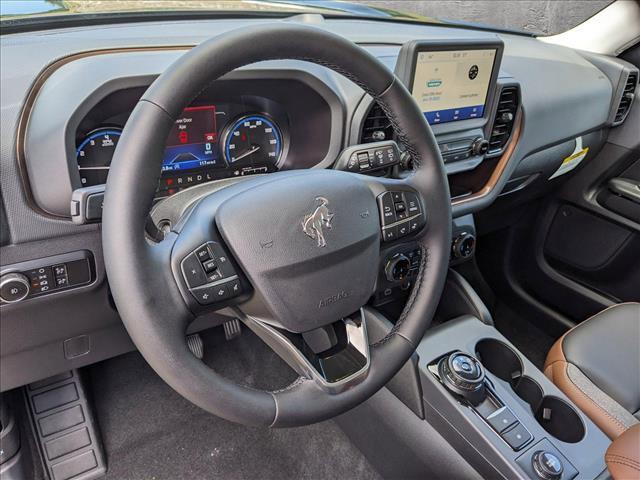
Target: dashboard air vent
376	126
505	117
627	97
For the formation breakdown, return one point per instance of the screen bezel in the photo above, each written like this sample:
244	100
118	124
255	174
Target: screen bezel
406	68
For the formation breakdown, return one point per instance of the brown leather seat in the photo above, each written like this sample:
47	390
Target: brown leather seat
623	456
597	365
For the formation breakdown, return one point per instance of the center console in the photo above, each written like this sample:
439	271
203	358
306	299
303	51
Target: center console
487	398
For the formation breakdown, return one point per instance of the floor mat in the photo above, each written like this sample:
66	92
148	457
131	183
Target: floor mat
533	342
150	432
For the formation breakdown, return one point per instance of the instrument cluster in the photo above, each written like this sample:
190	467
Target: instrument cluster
207	142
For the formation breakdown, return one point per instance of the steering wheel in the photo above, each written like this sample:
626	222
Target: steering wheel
295	254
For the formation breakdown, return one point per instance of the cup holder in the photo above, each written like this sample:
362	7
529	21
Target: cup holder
560	419
499	359
555	415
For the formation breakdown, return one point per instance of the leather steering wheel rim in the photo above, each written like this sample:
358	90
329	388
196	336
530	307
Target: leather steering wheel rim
143	286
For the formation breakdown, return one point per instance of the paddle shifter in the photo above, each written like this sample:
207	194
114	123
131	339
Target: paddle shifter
463	375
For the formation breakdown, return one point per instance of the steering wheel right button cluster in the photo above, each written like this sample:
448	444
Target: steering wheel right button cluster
400	214
209	275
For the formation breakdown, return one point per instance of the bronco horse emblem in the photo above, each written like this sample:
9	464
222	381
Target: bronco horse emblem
313	224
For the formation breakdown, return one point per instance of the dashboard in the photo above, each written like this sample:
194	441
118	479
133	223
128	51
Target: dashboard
505	110
207	142
232	130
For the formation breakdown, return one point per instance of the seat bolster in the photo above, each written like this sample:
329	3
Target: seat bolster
623	455
558	370
555	355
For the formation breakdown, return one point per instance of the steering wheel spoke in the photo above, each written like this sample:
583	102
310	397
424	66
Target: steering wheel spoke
336	356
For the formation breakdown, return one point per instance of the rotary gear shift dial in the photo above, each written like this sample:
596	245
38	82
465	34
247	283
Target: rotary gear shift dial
463	375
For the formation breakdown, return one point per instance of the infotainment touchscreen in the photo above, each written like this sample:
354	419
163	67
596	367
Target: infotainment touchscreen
452	85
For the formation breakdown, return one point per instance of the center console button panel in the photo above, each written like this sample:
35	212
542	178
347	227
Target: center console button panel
464	377
209	274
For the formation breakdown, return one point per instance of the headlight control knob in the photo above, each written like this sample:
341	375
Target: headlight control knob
14	287
397	268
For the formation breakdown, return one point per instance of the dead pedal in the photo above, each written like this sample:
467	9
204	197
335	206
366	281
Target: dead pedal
195	344
232	329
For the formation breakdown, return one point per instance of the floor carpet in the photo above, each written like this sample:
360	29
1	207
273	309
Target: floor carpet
150	432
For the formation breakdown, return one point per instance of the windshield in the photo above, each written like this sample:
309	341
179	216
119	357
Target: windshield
534	17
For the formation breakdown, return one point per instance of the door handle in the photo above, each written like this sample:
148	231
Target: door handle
626	188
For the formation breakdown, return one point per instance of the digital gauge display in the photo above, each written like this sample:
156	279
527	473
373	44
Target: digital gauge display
193	141
205	143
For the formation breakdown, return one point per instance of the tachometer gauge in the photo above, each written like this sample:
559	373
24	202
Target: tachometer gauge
253	139
94	155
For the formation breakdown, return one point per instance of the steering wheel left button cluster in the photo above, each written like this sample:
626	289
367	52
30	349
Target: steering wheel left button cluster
209	274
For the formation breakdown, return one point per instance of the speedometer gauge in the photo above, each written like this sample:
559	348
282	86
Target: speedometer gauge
252	140
94	155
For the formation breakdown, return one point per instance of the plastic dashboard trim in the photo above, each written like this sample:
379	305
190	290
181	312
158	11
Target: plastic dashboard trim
326	90
25	113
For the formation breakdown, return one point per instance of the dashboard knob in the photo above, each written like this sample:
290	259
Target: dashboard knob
397	268
14	287
547	465
479	146
463	245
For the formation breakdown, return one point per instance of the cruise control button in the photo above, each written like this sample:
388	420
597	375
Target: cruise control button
501	419
221	259
192	271
209	266
214	276
203	253
517	437
389	234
